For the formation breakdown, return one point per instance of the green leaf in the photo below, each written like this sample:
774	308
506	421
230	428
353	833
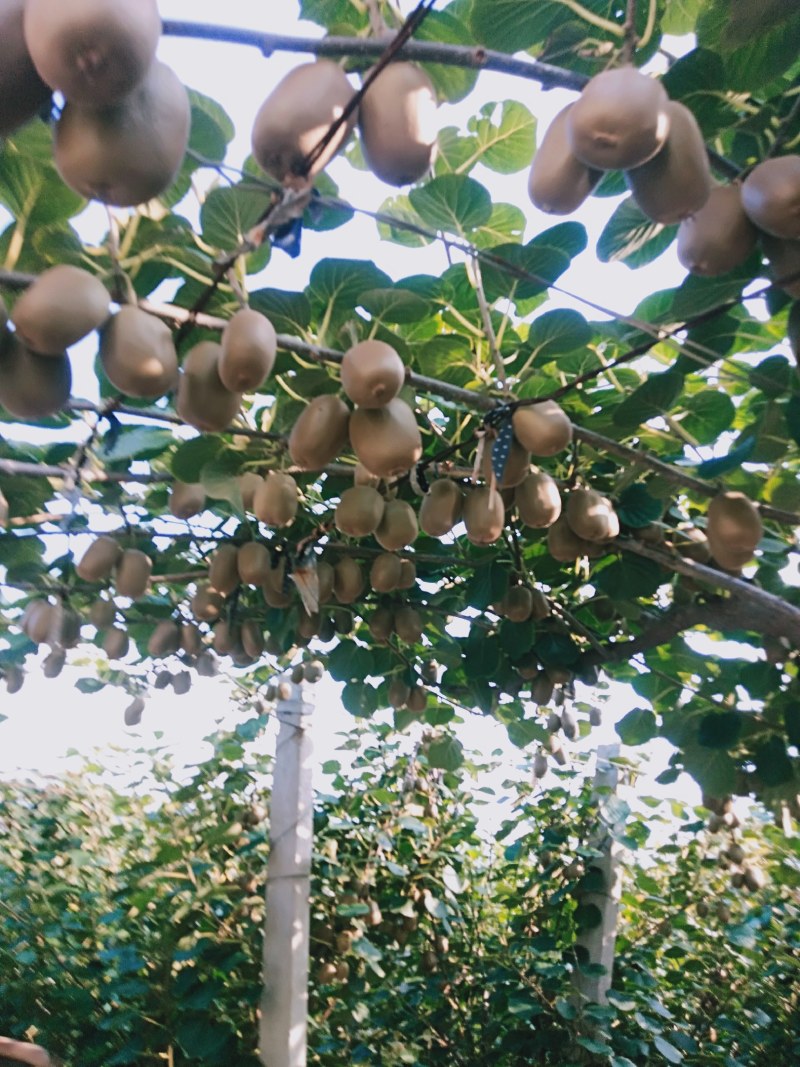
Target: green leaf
482	655
520	272
555	333
630	577
448	27
208	1042
453	203
637	508
791	721
219	477
509	27
88	686
668	1051
713	769
720	729
735	457
655	396
34	193
773	765
288	312
708	415
446	754
340	282
189	458
506	140
637	727
227	216
630	237
139	442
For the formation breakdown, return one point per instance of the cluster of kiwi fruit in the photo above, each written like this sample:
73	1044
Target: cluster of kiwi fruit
123	131
396	119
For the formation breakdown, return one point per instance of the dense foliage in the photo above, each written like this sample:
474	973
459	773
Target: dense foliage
130	921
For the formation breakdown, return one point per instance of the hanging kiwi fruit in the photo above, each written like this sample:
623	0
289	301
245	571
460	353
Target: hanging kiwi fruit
320	433
63	305
559	182
23	94
734	529
248	348
203	401
398	124
771	196
719	236
372	373
386	439
138	355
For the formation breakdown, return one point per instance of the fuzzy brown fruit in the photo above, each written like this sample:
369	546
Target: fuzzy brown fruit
591	515
398	526
116	643
384	575
253	563
99	559
398	125
138	355
484	515
22	92
31	386
719	236
771	196
203	401
387	439
127	153
187	499
359	511
132	576
784	261
558	182
276	500
249	346
63	305
372	373
296	116
538	500
563	543
320	433
543	429
348	580
441	508
734	529
223	570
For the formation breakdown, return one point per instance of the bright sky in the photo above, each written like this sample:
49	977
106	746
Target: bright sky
49	718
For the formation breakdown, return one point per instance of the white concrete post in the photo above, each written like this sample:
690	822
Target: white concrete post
600	941
284	1002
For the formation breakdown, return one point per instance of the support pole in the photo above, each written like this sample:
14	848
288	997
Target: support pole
284	1002
599	942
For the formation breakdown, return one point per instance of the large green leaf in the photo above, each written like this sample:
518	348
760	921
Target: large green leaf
505	136
630	237
655	396
454	203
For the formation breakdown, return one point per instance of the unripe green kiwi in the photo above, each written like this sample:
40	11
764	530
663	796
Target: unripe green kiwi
187	499
387	439
165	639
252	639
719	236
543	429
558	182
619	121
276	500
408	624
441	508
734	529
398	527
63	305
132	576
320	433
93	51
134	711
591	515
32	387
563	543
207	603
116	643
296	116
203	401
127	153
223	571
22	92
249	347
138	355
372	373
384	575
253	563
771	196
398	125
518	603
359	511
538	500
102	613
348	580
484	515
676	182
99	559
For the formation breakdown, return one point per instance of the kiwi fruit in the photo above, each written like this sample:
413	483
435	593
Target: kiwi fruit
359	511
484	515
249	347
252	639
191	639
384	575
398	126
203	401
186	499
361	476
297	115
348	580
771	197
23	94
558	182
138	355
223	570
325	581
387	439
276	500
165	639
127	153
63	305
248	483
37	621
116	643
417	699
398	527
540	605
207	603
134	712
92	51
693	544
181	683
518	465
225	637
784	261
441	508
563	543
399	692
543	429
719	236
99	559
619	121
102	613
320	433
372	374
733	528
253	563
518	603
132	575
274	588
408	574
53	664
591	515
676	182
31	386
538	500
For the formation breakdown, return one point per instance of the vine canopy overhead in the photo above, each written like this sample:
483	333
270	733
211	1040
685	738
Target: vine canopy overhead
448	490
